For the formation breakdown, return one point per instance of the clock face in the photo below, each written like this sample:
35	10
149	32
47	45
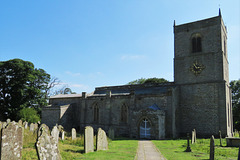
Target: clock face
197	68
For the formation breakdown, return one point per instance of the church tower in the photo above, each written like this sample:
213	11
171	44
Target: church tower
202	76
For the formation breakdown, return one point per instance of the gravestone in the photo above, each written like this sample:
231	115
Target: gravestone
8	120
111	133
212	148
0	125
60	128
188	145
47	147
62	135
35	126
12	142
193	136
102	143
74	133
20	122
4	124
88	140
31	128
55	133
25	125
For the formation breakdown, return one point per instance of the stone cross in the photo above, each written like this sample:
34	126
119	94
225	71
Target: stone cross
88	140
74	133
188	145
47	147
212	148
102	142
12	142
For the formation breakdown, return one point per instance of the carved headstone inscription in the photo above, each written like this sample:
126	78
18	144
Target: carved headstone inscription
12	142
47	148
102	143
88	140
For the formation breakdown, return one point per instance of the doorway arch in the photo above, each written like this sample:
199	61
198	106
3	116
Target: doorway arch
145	129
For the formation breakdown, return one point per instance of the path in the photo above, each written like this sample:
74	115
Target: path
148	151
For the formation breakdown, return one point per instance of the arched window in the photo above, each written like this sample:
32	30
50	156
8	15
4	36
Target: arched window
96	113
196	43
124	113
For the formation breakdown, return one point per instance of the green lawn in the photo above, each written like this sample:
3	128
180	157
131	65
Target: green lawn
174	150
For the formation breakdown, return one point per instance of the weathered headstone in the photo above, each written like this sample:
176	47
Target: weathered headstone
212	148
35	126
111	133
88	140
47	148
55	133
102	142
4	124
12	142
60	128
8	120
25	125
188	144
20	122
31	128
220	137
74	133
0	125
195	135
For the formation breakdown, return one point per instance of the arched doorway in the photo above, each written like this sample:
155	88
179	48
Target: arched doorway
145	129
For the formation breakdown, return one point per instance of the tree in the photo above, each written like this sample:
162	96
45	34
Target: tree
21	86
64	90
29	114
148	81
235	86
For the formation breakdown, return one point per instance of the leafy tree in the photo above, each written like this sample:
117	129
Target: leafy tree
235	86
148	80
29	114
64	90
21	86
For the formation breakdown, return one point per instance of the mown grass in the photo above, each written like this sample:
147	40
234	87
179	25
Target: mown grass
175	149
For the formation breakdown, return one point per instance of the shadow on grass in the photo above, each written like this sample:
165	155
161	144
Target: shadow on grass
74	151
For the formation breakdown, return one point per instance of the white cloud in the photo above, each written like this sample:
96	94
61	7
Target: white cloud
73	74
132	57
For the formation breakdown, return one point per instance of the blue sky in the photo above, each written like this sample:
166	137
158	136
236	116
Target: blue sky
88	44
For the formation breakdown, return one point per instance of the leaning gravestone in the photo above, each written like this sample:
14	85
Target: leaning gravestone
212	148
12	142
47	148
55	133
88	139
102	143
4	124
74	133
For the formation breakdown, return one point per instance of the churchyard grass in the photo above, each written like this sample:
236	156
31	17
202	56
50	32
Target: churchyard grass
174	149
118	149
29	150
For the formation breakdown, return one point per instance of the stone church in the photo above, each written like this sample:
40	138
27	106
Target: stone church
199	98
